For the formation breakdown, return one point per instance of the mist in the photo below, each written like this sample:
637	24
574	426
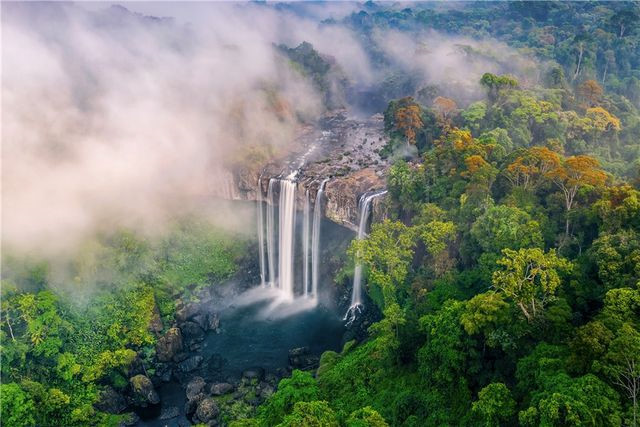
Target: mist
114	118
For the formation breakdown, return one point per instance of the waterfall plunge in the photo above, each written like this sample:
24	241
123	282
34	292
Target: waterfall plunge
263	277
287	224
271	233
278	264
315	239
306	223
364	210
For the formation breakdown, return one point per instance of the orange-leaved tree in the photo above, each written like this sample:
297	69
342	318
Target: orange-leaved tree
445	107
574	173
408	121
528	169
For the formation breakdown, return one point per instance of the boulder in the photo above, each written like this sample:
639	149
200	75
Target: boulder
191	405
191	333
187	312
110	401
163	372
170	412
183	355
195	387
169	345
253	373
201	320
219	389
213	322
143	390
207	410
294	352
266	390
190	364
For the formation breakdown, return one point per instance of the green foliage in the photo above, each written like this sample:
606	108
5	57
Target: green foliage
366	417
494	406
17	407
530	278
58	352
301	387
312	414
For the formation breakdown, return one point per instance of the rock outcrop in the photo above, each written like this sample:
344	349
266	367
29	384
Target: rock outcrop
169	345
343	150
143	390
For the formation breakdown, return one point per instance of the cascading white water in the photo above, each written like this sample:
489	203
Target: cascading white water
263	276
315	240
287	221
305	242
364	209
271	233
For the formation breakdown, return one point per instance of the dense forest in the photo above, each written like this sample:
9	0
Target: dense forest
506	277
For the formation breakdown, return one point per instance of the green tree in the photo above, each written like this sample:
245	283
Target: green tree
621	364
17	407
494	406
366	417
530	277
311	414
506	227
300	387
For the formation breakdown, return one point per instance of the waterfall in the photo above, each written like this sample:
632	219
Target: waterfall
315	240
271	233
364	210
287	222
263	276
277	233
305	242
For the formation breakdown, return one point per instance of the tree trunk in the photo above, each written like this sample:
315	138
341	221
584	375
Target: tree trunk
579	63
10	328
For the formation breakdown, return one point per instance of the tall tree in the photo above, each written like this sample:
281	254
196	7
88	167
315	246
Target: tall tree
573	174
530	277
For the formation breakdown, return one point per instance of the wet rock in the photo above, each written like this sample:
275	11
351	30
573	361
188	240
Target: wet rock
190	364
221	388
170	412
207	410
271	379
295	352
136	367
163	372
213	322
265	390
201	320
191	333
169	345
143	390
187	312
180	357
191	405
110	401
253	373
299	358
195	387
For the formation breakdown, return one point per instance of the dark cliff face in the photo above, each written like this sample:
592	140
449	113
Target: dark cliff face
344	151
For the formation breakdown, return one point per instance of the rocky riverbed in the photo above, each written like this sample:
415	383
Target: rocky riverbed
342	149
